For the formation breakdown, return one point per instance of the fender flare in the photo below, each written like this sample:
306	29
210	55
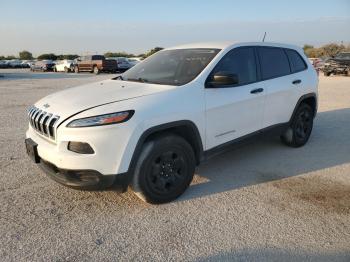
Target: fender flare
301	99
163	127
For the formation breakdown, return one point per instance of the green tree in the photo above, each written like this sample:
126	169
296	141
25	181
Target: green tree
50	56
332	49
69	57
118	54
153	51
25	55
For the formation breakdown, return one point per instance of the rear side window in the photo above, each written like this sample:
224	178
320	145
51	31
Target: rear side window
239	61
274	62
297	63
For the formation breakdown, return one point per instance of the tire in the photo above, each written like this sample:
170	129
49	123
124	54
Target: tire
76	70
164	169
95	70
66	70
326	73
299	131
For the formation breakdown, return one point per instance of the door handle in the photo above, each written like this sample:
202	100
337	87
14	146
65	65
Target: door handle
296	82
258	90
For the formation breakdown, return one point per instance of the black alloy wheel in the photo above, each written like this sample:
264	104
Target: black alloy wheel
164	169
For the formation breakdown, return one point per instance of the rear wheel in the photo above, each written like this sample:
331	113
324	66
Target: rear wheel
300	128
164	169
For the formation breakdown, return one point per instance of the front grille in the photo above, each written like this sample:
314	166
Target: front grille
43	122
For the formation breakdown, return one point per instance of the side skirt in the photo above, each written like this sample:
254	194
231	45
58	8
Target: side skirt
274	130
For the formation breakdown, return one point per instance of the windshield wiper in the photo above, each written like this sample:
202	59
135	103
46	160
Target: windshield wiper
140	79
118	78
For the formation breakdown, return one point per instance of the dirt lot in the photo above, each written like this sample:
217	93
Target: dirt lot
261	202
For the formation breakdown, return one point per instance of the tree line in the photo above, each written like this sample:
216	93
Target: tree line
26	55
329	50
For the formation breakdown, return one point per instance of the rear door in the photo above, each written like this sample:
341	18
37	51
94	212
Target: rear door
81	63
85	64
280	83
234	111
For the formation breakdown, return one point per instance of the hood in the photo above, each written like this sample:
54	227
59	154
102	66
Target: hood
73	100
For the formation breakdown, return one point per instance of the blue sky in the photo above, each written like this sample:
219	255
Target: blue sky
135	26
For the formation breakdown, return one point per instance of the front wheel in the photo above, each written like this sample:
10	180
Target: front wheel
164	170
299	131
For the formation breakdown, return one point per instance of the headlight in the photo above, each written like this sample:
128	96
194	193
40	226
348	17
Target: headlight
107	119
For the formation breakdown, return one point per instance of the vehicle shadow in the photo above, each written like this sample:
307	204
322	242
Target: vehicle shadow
276	255
269	159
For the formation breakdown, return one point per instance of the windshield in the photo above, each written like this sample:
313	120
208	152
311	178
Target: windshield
171	67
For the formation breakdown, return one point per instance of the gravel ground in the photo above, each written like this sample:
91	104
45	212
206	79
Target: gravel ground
261	202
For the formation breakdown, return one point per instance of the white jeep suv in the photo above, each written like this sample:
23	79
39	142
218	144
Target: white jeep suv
151	126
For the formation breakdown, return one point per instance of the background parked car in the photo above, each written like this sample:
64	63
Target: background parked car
44	65
340	64
122	63
64	66
134	60
26	63
3	64
15	63
316	62
95	64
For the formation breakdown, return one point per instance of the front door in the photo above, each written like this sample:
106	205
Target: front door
237	110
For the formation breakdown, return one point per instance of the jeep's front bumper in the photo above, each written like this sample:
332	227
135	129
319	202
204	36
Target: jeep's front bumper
78	179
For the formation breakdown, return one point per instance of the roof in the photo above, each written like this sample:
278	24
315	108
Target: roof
227	44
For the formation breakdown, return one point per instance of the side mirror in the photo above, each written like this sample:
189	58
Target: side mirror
222	79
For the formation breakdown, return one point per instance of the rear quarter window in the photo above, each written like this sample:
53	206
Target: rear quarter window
273	62
297	63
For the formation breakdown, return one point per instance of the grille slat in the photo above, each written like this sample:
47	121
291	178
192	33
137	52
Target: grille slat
43	122
37	115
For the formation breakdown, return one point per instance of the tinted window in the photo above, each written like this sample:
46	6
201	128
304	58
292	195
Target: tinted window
98	57
121	59
239	61
296	61
274	62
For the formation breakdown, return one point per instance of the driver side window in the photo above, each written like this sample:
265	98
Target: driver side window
241	62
